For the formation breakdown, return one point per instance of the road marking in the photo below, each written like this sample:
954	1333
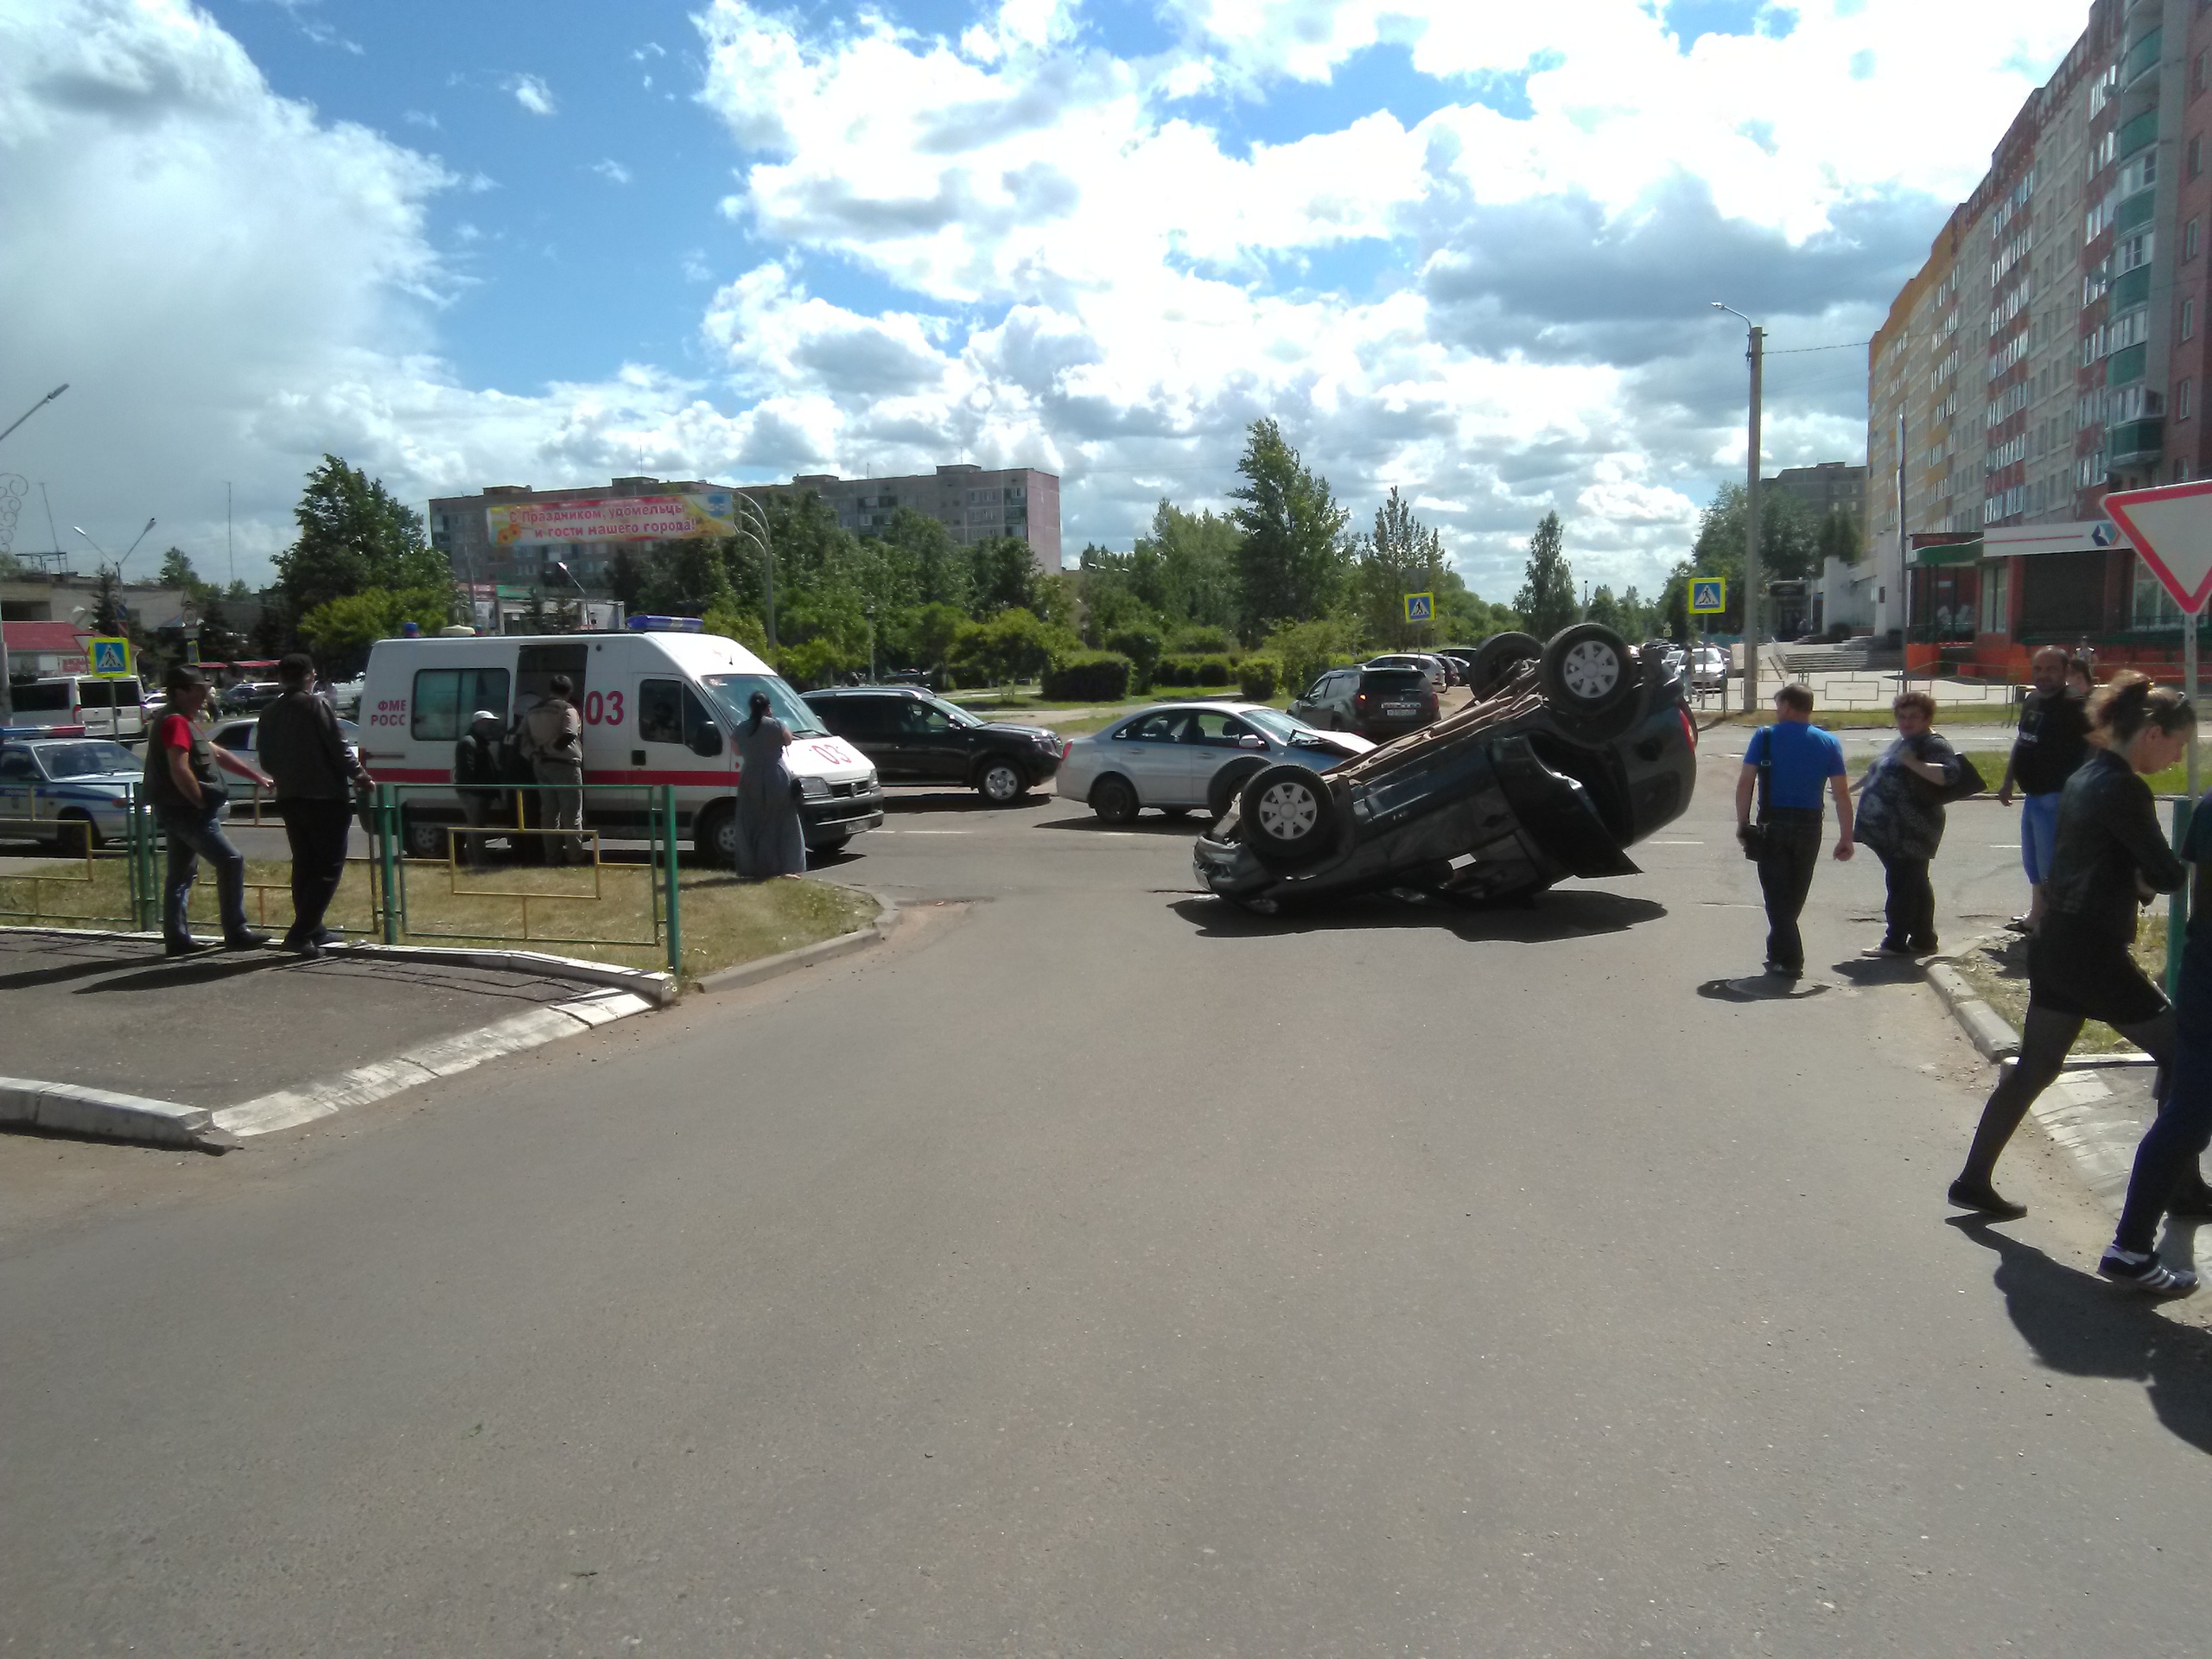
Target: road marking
1674	843
931	832
2005	846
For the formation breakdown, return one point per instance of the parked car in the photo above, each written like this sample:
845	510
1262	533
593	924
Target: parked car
1576	756
101	707
1439	675
242	737
1178	756
1710	671
62	789
247	696
1376	702
345	696
914	736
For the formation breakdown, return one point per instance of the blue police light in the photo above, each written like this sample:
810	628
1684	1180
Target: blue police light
667	625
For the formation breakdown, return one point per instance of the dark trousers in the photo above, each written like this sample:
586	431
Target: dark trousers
1910	908
2166	1161
2047	1035
318	831
195	834
1793	849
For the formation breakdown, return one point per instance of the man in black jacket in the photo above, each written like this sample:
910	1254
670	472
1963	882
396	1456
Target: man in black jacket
299	745
478	774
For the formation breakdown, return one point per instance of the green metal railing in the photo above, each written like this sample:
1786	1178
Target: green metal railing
141	891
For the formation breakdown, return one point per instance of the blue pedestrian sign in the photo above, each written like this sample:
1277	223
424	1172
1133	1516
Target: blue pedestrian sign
1709	596
110	659
1420	607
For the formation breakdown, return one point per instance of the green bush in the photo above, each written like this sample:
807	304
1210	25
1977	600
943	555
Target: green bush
1194	671
1141	647
1306	649
1198	640
1101	676
1257	676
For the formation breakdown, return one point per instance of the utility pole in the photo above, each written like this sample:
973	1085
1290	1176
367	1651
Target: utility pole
1757	356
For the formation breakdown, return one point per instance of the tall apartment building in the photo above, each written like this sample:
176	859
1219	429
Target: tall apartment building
511	535
2049	351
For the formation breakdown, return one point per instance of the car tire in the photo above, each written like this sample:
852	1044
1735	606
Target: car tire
421	837
1288	816
1497	658
1001	782
1227	785
1114	799
713	835
1586	669
78	834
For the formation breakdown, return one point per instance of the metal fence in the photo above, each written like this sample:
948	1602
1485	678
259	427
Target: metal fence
554	872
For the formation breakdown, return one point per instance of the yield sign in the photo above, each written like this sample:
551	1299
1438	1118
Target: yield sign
2172	528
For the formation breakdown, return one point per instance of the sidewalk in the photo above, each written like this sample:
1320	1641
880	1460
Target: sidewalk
214	1030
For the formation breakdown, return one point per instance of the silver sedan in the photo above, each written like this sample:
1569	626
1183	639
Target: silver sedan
1179	756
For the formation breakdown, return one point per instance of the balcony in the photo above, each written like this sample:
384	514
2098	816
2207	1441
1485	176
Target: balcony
2137	441
2141	59
2139	134
2125	367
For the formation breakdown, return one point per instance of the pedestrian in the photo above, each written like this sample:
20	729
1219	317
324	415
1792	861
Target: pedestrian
479	772
553	741
1789	764
1901	818
2054	740
2169	1175
187	793
316	778
2110	854
771	839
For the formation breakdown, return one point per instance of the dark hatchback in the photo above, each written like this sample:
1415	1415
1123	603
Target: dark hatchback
1378	704
1581	748
916	737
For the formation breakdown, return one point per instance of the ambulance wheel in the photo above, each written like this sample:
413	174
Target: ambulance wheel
423	837
714	838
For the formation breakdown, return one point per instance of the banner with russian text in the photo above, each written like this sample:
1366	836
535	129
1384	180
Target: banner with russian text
611	519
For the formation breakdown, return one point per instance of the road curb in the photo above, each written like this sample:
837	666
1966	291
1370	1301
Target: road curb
1982	1024
661	987
103	1114
751	972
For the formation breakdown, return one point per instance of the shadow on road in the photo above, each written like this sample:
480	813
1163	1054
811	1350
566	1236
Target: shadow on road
63	970
961	800
1759	988
2080	1324
212	969
1152	824
1881	970
1574	913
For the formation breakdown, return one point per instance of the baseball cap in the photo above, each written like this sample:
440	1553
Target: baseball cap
182	676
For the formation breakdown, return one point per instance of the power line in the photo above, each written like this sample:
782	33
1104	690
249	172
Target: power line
1847	345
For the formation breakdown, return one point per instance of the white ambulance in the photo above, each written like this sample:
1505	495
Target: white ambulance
659	702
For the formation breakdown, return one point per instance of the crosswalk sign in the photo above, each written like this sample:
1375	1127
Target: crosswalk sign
1709	596
1420	607
110	659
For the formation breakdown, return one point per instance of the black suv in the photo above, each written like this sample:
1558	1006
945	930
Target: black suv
1574	751
1376	702
915	737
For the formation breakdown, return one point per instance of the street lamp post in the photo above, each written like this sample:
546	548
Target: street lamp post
1757	356
757	533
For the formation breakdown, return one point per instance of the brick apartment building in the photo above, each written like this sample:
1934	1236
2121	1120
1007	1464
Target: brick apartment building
973	502
2050	350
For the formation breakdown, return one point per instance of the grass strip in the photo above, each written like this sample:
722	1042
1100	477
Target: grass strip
1997	971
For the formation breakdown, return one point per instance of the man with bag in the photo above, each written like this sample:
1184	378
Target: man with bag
2053	742
1901	817
1788	765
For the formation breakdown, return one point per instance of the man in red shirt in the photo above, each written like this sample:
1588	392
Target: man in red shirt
187	792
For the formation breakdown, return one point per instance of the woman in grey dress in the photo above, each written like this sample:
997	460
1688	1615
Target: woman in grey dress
771	840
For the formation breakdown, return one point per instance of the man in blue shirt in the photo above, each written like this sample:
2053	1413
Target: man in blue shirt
1798	760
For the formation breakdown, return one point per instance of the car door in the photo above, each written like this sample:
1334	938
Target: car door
19	778
930	747
1213	738
1150	752
866	722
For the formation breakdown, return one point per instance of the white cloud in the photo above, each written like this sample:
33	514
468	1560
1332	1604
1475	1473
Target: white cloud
613	171
532	93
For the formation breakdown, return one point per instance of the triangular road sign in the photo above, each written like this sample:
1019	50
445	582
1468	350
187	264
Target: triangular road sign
2172	528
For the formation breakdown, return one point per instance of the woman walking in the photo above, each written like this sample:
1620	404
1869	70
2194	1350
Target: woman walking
1901	818
2110	856
771	840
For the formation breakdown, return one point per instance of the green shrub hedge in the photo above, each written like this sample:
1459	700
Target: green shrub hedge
1195	672
1257	676
1100	675
1141	647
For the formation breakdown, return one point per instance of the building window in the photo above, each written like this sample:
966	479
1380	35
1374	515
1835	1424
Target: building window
2188	240
2189	319
2196	156
2185	399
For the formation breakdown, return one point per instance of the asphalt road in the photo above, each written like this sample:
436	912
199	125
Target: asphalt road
1094	1270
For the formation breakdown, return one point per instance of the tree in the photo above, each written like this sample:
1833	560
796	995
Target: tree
176	571
1292	562
1628	616
1545	601
1400	555
349	624
217	643
1788	537
1006	577
237	590
354	536
625	578
108	616
1838	538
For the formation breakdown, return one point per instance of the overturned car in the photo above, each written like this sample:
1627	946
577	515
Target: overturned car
1571	753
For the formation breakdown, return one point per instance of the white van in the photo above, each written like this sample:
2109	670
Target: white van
104	708
659	703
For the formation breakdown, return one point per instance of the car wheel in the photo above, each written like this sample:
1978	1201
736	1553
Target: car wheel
423	837
1497	658
1001	783
78	834
1288	815
1226	784
713	835
1586	669
1114	799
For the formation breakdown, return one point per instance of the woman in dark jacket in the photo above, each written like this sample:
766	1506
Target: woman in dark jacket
2110	856
1901	818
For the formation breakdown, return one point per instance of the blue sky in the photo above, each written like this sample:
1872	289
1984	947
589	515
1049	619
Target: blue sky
1459	246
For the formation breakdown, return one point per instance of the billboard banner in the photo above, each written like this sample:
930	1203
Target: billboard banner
613	519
